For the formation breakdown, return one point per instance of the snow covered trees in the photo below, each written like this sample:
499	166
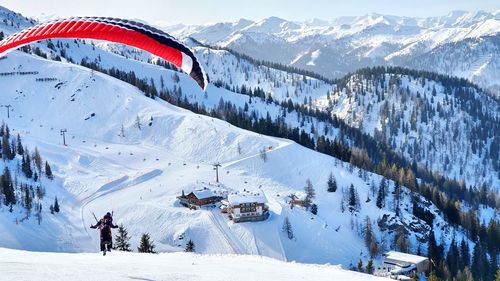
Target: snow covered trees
287	228
147	245
122	240
16	190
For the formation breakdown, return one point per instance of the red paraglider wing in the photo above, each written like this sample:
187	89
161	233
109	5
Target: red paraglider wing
125	32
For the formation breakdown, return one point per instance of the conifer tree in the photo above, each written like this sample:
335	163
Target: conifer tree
48	171
28	201
464	254
26	165
314	209
146	246
353	199
360	265
20	148
190	246
381	194
56	206
369	267
8	188
310	193
122	240
479	265
38	160
6	150
287	228
370	239
332	183
13	149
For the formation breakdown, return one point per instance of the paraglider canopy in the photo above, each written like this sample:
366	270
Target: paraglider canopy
126	32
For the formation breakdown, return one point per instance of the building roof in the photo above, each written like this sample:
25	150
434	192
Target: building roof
203	193
299	196
408	258
237	199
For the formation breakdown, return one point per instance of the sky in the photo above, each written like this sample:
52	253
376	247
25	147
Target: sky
169	12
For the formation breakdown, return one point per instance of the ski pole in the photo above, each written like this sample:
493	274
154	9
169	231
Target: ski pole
94	216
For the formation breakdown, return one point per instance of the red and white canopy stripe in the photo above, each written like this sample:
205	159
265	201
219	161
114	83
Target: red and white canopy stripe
126	32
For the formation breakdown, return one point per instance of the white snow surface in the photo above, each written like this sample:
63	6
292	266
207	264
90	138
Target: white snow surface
15	265
236	199
203	193
405	257
139	175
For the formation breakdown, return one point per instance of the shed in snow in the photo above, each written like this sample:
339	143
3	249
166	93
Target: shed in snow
198	198
405	264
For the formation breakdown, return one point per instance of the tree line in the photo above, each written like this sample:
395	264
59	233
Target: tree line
14	191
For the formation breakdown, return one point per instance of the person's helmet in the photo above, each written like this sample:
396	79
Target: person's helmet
108	214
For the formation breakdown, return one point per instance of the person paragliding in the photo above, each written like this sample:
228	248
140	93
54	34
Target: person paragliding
105	225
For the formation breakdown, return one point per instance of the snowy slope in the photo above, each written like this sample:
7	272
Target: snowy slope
140	174
15	265
228	69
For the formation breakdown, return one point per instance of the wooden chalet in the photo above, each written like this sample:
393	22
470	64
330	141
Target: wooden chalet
199	198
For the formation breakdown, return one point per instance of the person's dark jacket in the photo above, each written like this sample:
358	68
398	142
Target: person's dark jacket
105	226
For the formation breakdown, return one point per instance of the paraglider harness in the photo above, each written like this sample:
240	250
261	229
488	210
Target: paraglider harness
104	225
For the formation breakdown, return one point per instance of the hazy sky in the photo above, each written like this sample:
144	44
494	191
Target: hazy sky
208	11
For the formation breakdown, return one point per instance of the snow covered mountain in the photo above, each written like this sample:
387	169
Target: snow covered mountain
138	172
346	44
134	155
235	73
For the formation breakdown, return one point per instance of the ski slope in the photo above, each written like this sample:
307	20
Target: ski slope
134	155
18	265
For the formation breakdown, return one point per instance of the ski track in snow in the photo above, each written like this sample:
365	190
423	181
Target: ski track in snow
226	233
114	186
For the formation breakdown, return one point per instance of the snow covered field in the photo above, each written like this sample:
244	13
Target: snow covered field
22	265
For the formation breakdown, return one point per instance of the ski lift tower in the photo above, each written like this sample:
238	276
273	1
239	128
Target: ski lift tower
216	168
8	106
63	134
